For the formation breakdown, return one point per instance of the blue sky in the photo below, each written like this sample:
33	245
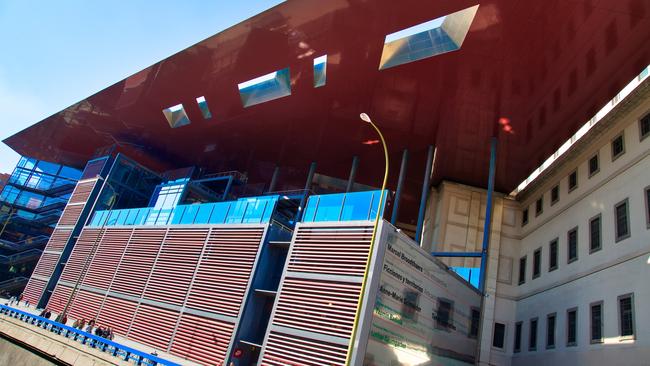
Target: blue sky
56	53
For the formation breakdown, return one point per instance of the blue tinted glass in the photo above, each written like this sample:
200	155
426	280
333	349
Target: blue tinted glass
97	218
122	217
375	203
310	210
254	210
47	167
141	217
203	216
270	207
177	215
130	216
329	207
220	212
357	206
164	217
68	172
190	214
112	217
236	214
152	217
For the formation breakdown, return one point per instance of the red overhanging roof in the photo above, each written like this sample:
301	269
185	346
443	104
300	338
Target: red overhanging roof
547	66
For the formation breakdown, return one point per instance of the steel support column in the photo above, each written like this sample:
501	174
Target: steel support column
353	173
310	177
424	196
487	227
400	185
274	179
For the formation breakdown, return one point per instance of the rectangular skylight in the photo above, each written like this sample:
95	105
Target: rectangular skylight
203	106
265	88
441	35
176	116
320	71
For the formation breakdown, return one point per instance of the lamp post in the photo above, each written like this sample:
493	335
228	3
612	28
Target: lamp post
90	254
364	117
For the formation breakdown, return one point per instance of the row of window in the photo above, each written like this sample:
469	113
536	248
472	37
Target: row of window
618	149
626	326
621	228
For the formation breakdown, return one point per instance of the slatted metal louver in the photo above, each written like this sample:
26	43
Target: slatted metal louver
58	240
33	290
82	191
46	264
170	279
70	215
107	257
202	340
137	264
80	254
324	307
153	325
331	250
225	269
85	305
59	298
117	313
284	349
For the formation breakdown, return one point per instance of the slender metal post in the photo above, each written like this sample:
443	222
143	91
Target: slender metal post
380	212
400	184
353	173
424	195
274	179
487	227
310	177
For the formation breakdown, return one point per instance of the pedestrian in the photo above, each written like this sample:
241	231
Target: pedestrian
75	324
110	333
48	314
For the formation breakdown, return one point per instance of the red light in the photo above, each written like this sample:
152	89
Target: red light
507	128
503	121
370	142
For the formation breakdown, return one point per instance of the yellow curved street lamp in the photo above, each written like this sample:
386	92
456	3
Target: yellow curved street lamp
364	117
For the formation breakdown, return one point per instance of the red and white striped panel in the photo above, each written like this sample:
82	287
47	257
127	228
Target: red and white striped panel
118	314
46	264
141	252
202	340
59	298
107	257
325	307
225	270
85	305
82	191
331	250
70	215
153	326
80	255
58	240
34	290
289	350
171	276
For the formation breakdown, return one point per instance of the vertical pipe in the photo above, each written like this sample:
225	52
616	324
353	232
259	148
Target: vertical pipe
310	177
400	184
353	173
488	215
424	195
274	179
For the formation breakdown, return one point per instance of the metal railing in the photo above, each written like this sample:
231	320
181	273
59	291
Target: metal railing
105	345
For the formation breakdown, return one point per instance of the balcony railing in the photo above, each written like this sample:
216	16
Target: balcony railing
113	348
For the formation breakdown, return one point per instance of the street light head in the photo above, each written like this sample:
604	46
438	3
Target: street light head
364	117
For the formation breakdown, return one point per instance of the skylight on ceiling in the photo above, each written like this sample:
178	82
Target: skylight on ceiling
176	116
265	88
203	106
428	39
320	71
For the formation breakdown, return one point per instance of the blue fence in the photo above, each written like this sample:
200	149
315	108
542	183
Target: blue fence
252	210
85	338
343	206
